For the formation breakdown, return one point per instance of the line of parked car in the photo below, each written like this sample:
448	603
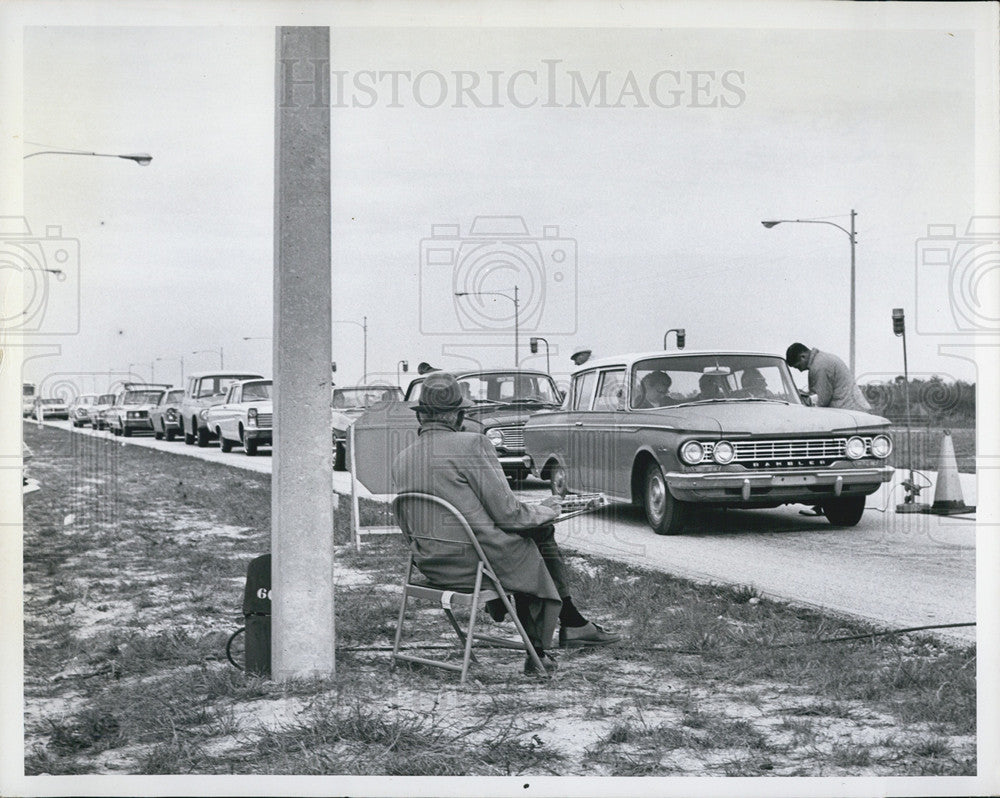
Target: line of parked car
231	407
665	431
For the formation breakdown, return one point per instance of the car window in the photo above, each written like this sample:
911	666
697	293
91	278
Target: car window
714	377
609	390
583	390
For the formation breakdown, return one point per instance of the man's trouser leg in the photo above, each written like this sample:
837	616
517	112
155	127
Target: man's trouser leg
544	538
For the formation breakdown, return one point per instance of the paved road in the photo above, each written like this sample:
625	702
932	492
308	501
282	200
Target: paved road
898	570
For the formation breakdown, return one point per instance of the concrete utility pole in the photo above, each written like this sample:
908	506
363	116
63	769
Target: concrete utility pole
302	631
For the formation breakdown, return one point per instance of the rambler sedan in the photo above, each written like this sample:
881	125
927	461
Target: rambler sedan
726	429
244	418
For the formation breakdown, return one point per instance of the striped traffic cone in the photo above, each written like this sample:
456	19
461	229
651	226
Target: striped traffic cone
948	490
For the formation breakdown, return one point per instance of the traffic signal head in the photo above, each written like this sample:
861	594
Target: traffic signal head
898	321
534	346
681	335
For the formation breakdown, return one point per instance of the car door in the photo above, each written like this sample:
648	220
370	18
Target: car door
602	435
229	413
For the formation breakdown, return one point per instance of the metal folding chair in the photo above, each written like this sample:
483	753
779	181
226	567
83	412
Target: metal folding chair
423	517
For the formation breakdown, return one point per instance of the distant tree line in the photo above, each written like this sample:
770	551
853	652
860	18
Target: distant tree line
933	401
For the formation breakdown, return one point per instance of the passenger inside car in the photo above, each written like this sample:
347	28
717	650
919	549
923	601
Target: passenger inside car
753	385
710	386
654	390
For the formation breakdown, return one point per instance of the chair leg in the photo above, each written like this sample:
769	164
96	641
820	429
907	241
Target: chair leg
402	613
470	634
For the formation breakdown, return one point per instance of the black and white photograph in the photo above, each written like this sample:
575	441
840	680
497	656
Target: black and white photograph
492	399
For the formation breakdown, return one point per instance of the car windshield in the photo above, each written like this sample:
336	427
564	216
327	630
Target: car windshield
212	386
53	402
28	390
256	391
696	379
172	397
506	387
142	397
106	399
344	398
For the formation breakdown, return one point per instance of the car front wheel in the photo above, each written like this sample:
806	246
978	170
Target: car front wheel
202	437
225	445
844	511
339	456
189	436
665	514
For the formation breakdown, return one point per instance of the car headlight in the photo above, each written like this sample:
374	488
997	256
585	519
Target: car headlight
203	414
855	448
252	417
132	414
692	452
495	437
723	452
882	446
171	415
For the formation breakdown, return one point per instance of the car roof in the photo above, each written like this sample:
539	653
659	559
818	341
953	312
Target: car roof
467	372
247	375
631	357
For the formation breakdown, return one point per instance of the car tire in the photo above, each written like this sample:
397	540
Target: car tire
126	432
664	513
169	434
158	433
250	446
189	436
225	445
557	480
844	511
201	437
339	457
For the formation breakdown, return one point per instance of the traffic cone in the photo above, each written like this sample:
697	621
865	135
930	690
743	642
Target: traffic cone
948	490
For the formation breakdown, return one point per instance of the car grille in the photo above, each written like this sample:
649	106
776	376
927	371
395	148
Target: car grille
513	437
264	419
793	453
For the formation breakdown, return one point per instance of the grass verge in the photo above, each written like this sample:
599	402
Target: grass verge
134	569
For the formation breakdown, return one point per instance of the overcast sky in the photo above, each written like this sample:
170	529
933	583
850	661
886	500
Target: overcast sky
653	190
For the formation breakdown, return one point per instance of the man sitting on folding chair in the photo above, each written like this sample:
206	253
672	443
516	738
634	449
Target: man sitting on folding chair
518	538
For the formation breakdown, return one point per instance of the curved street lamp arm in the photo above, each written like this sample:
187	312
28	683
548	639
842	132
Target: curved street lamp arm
141	158
775	222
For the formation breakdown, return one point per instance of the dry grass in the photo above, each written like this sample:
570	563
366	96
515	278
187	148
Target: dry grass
134	568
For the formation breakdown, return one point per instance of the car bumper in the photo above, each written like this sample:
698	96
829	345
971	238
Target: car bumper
515	462
770	486
137	424
258	435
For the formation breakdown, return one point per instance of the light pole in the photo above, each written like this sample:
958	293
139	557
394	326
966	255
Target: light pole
130	368
140	158
181	359
681	336
854	242
215	351
364	330
505	296
406	368
533	343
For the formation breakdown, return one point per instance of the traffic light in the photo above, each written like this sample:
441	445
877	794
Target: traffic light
534	346
681	335
898	321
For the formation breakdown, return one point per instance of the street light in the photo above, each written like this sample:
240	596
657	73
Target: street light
681	336
215	351
533	343
130	368
406	368
505	296
854	241
364	330
181	359
140	158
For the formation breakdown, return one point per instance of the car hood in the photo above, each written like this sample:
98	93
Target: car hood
503	415
764	418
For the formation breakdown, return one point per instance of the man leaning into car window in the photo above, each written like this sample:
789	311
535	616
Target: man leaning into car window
518	538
